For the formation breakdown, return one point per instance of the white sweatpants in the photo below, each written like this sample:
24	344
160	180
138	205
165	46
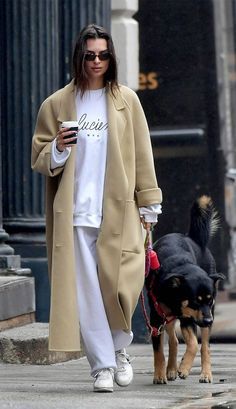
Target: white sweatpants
100	342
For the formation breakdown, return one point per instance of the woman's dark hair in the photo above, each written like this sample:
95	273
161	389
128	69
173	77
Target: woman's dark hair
78	62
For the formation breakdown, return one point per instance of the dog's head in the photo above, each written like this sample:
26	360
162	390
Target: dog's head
191	294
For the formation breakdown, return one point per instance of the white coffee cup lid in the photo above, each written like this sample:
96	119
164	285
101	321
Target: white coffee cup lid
69	124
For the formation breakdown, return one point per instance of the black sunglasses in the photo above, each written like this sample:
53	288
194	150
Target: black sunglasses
91	55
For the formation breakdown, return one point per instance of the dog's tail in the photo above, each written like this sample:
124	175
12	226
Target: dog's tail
204	221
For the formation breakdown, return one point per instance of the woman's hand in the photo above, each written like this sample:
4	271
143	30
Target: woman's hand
146	225
61	142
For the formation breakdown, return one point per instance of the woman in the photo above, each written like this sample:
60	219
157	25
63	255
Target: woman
96	192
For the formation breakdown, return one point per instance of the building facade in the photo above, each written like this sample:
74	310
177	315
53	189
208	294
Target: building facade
180	58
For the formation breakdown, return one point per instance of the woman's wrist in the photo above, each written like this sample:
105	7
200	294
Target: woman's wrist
57	146
58	150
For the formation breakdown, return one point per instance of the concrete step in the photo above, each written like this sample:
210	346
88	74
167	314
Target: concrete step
29	345
17	296
18	321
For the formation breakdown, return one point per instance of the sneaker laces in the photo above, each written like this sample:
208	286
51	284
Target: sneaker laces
122	359
104	372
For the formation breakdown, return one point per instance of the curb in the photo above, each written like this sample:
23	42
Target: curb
29	345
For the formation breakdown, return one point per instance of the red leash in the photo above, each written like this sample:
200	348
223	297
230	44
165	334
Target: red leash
158	307
151	261
154	332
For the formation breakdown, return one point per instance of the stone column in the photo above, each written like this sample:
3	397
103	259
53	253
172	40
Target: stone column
8	261
125	35
6	251
30	73
225	39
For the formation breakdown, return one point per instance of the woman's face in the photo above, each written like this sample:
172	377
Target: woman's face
97	68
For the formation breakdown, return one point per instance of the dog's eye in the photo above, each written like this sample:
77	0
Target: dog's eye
207	299
211	301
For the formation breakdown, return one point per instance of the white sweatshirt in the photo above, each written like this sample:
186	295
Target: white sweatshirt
91	158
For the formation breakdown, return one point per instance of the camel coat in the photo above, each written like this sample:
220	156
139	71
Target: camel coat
130	182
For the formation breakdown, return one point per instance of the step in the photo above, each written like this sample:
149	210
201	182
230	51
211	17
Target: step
17	296
17	321
29	345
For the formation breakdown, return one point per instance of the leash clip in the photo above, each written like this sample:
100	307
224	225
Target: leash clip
161	328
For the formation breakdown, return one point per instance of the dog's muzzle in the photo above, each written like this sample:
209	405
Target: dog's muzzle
205	322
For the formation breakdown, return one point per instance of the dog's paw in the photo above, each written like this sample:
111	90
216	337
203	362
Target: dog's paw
171	374
184	369
159	381
205	377
183	373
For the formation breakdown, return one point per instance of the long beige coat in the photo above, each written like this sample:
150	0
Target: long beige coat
130	183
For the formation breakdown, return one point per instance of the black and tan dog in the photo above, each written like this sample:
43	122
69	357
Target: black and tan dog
184	287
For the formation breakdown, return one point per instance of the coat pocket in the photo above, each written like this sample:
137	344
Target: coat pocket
132	232
59	227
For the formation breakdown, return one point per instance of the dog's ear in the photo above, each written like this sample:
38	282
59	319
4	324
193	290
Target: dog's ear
217	276
174	281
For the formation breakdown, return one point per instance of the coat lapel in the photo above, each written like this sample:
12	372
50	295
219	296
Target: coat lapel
116	183
67	111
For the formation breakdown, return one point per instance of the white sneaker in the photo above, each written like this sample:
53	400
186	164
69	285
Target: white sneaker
124	371
104	380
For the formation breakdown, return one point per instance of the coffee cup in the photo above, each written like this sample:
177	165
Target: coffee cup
72	126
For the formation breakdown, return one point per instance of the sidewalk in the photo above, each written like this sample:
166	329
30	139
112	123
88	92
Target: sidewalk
69	386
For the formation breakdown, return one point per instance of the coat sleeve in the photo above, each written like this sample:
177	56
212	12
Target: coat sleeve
147	190
45	131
